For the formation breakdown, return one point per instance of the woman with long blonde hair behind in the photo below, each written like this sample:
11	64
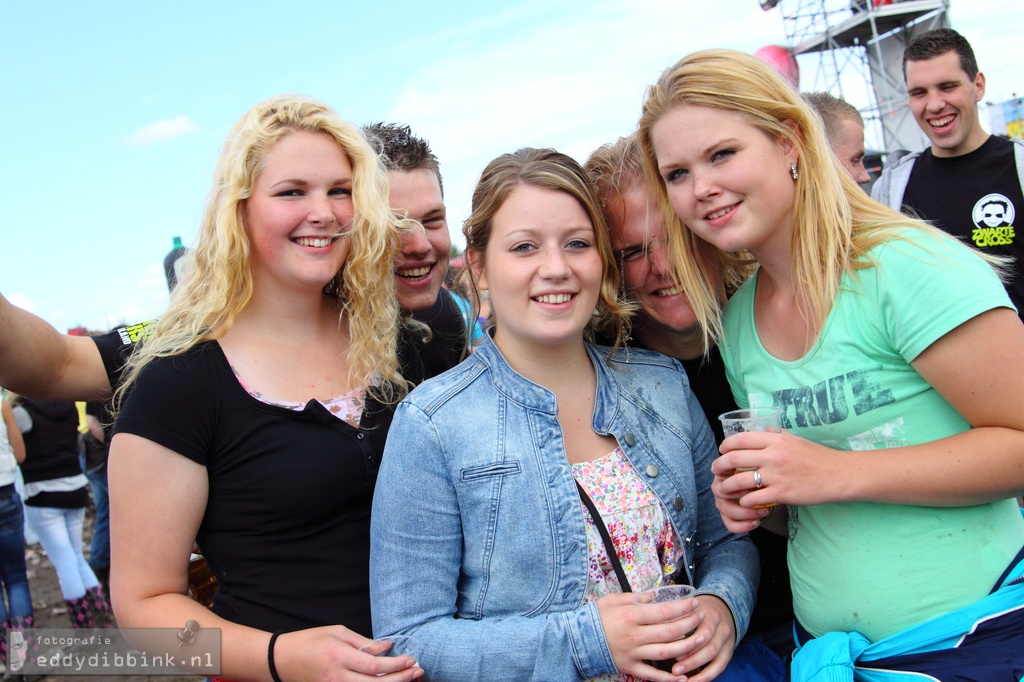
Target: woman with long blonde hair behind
253	419
896	359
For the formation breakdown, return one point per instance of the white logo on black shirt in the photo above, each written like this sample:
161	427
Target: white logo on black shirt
993	210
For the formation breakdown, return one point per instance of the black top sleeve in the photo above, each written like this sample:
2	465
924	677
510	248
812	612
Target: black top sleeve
117	345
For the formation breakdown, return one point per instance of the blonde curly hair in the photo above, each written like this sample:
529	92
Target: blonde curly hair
219	283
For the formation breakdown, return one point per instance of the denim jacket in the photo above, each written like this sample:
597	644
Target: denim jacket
479	545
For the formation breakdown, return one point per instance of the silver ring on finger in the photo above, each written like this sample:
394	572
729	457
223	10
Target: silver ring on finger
757	479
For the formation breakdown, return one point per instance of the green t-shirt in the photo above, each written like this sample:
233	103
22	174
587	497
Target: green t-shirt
879	568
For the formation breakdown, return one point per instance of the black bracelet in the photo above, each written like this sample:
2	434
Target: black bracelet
270	657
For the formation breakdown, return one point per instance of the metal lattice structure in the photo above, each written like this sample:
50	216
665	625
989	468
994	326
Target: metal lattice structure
856	51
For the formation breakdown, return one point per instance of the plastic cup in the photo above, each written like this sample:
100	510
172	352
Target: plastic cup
659	595
752	419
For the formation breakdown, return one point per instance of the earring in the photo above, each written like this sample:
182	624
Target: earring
793	171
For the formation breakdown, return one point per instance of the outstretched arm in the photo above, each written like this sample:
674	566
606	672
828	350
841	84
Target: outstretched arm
38	361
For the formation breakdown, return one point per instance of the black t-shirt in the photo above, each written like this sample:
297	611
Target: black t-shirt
286	529
447	343
976	197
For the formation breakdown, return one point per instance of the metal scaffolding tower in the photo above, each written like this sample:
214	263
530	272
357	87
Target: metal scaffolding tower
859	45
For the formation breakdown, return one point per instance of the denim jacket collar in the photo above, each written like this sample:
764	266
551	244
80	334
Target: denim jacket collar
516	387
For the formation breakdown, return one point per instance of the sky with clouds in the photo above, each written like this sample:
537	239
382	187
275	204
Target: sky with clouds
116	110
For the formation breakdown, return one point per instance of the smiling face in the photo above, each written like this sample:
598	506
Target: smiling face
637	235
301	202
422	261
944	101
727	180
541	268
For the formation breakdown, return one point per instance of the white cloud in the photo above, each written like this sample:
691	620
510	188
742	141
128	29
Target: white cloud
159	131
571	82
22	301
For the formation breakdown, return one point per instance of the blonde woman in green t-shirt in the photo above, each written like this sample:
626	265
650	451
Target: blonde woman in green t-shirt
893	352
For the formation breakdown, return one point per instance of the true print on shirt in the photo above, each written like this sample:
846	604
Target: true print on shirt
836	400
830	402
993	217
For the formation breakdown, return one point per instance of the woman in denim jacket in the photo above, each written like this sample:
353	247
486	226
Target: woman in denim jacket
481	546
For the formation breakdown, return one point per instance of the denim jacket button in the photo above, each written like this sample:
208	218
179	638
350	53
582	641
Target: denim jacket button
678	503
652	470
630	439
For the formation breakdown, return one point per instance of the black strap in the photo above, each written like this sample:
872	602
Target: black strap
613	556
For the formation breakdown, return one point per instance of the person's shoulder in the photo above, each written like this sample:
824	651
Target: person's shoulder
917	255
190	382
1008	142
1006	150
899	164
900	157
451	312
439	390
917	238
639	366
118	344
634	355
444	316
201	362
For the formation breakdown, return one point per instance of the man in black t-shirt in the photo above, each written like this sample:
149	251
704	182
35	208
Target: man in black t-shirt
968	183
38	361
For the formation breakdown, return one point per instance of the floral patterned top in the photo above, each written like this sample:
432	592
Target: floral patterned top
348	407
644	539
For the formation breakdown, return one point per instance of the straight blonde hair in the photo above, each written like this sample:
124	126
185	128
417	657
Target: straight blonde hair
835	223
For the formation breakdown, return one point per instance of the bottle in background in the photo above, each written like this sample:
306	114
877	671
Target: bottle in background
174	265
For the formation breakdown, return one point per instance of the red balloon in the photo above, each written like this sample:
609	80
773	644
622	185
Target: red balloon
779	58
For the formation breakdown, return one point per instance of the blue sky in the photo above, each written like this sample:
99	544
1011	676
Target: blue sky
116	110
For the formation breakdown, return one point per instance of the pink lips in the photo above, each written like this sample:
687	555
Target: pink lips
721	219
569	297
